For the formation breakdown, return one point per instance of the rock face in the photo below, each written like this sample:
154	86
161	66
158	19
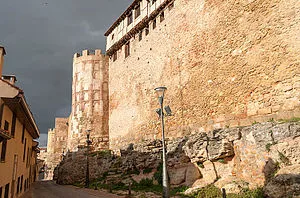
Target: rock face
266	154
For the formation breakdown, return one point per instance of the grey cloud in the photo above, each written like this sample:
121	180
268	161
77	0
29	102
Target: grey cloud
40	41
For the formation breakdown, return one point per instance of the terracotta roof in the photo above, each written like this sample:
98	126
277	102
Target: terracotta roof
123	16
3	49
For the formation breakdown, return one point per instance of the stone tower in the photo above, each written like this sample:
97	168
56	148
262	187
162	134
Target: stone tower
89	100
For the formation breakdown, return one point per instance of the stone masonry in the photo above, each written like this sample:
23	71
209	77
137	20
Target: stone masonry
57	144
89	100
262	155
225	63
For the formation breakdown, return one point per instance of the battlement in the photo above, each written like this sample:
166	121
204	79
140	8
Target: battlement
86	53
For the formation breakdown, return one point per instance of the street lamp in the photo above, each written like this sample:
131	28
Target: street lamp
87	175
166	188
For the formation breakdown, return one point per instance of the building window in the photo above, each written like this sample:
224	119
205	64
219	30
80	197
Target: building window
147	30
3	150
137	10
112	36
24	150
127	49
115	56
140	35
162	17
154	23
6	125
129	18
171	6
27	158
21	186
13	125
6	191
18	185
23	133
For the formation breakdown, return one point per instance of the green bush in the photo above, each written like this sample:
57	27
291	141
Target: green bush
146	185
158	174
209	191
147	170
200	164
246	193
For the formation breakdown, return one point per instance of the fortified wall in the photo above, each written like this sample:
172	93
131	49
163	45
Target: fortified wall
225	64
57	144
89	100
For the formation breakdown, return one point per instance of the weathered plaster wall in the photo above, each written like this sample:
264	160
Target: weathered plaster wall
89	100
225	63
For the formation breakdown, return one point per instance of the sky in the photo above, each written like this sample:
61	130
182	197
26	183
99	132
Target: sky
40	38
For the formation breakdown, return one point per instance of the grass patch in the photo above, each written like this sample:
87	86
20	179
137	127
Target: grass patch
255	122
147	170
200	164
158	175
178	190
246	193
221	161
78	184
289	120
284	159
268	146
104	153
212	191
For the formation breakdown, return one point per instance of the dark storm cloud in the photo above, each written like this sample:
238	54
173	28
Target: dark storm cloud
41	37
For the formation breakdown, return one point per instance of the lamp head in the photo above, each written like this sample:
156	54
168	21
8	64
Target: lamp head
160	91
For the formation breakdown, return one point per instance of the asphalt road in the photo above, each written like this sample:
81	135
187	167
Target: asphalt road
49	189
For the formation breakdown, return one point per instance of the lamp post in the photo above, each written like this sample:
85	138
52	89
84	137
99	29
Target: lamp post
87	175
166	189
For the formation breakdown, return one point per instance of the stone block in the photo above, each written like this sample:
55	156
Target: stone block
264	111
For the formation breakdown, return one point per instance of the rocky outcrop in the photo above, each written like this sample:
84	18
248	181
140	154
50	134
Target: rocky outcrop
264	154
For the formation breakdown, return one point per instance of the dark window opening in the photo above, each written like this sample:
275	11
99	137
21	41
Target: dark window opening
115	56
18	185
127	49
24	151
6	125
154	23
112	36
129	19
140	35
21	186
13	125
27	158
6	191
137	11
23	133
162	17
147	30
3	150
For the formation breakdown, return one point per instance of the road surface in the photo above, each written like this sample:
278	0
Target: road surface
49	189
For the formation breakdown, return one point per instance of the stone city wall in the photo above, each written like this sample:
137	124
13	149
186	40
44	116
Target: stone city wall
89	100
57	145
225	63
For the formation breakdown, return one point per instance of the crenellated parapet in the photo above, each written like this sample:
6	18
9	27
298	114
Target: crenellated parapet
89	99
